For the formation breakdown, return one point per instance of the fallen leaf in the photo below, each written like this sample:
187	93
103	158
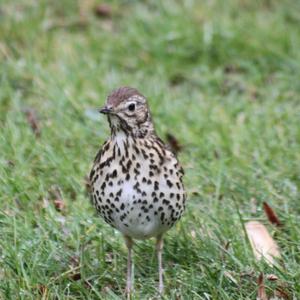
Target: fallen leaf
271	277
261	292
272	217
173	142
103	10
59	204
33	121
262	243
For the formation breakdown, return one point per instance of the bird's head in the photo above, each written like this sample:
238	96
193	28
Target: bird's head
128	112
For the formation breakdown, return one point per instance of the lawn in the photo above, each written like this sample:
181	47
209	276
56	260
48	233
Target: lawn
223	77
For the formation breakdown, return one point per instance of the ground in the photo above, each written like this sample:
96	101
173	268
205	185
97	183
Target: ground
221	76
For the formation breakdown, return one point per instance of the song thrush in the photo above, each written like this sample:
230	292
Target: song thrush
136	180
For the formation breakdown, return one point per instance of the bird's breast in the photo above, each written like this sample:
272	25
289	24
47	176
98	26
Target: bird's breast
135	192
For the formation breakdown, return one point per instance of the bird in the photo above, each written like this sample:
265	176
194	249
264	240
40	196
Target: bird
136	180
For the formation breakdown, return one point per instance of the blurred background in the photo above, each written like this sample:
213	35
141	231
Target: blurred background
222	80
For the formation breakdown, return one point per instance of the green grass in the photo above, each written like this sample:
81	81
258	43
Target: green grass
222	76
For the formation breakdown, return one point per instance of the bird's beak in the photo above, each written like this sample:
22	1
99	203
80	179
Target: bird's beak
105	110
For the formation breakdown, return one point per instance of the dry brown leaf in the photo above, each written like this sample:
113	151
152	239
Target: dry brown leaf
173	142
103	10
261	292
271	277
262	243
59	204
33	121
272	217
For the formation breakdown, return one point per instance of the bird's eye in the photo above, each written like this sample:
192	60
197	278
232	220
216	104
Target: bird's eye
131	107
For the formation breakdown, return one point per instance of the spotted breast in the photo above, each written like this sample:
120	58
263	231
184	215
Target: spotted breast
137	186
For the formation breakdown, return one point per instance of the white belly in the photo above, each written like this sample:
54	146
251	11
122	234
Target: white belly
137	215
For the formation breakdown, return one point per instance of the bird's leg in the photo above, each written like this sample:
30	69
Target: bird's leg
129	244
159	248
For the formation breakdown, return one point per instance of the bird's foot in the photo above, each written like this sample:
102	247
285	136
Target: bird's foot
161	288
128	291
